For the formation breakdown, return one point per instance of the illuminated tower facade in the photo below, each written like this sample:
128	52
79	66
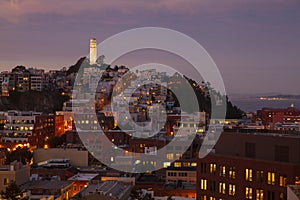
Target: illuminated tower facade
93	51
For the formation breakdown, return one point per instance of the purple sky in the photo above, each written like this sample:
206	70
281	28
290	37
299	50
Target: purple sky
255	43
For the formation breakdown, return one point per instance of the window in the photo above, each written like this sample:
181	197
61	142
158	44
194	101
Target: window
172	173
182	174
212	168
259	176
250	150
203	168
5	181
271	195
186	164
222	188
282	196
271	178
170	156
232	172
248	193
203	184
282	181
248	174
203	197
178	156
177	164
231	189
259	194
222	170
212	186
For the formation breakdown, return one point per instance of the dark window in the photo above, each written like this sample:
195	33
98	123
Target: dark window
5	181
213	186
281	153
259	176
271	195
250	150
203	168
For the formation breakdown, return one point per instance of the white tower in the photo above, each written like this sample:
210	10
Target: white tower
93	51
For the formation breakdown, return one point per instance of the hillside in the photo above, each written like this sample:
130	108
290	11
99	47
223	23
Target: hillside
47	102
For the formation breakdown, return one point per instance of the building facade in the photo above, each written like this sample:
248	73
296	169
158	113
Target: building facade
249	166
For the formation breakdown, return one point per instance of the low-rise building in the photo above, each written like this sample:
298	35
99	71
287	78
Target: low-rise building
19	126
105	190
80	181
15	172
48	189
181	174
77	157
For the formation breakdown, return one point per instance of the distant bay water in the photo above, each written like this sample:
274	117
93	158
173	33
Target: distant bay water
251	104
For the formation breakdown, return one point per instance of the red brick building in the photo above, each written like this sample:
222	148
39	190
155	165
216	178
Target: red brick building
46	126
250	166
270	116
59	125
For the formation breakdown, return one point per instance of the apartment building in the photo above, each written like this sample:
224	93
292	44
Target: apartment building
249	166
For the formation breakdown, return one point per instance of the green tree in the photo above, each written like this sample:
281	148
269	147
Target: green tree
24	155
12	192
55	141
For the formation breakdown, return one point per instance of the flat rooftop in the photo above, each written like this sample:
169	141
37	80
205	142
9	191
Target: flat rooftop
82	177
113	189
46	184
269	133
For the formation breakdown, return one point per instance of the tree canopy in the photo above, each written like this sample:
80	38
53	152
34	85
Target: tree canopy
12	192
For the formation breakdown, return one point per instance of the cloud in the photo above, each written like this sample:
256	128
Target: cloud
17	10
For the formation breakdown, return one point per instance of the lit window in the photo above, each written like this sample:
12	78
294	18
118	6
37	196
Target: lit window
203	184
212	168
271	178
259	194
222	170
178	156
231	189
248	193
177	164
167	164
282	181
232	172
186	164
170	156
248	175
222	188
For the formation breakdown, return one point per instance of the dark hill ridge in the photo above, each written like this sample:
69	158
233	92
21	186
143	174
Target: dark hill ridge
75	68
46	101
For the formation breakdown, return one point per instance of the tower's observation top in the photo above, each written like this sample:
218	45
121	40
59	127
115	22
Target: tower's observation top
93	51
